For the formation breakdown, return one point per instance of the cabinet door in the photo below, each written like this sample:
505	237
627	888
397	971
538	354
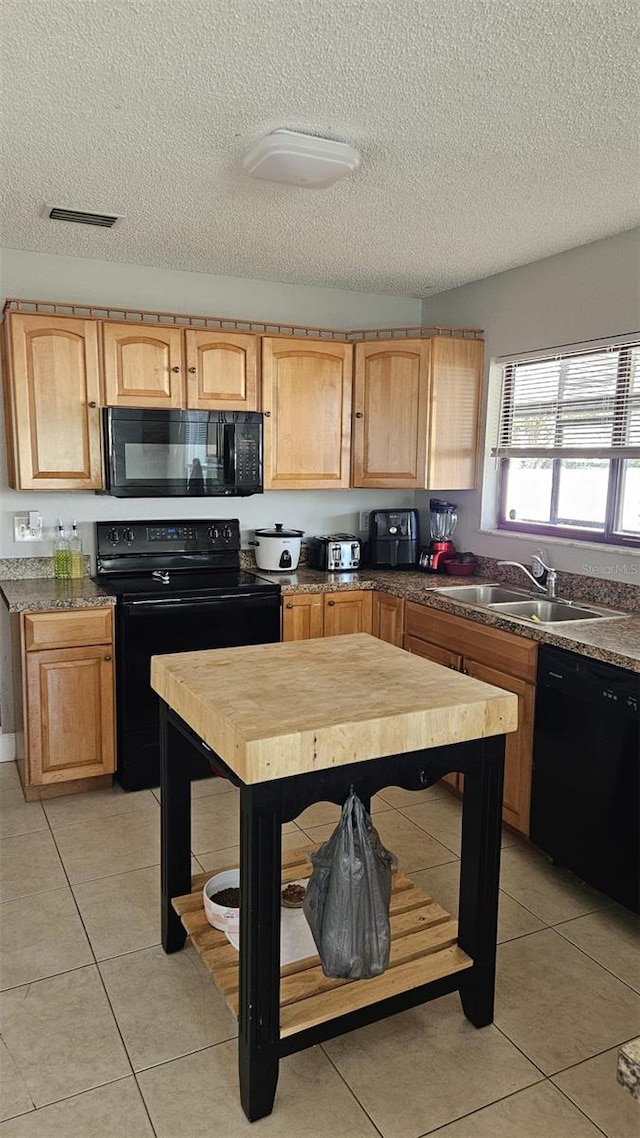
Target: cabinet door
433	652
448	660
70	714
454	401
390	413
303	616
306	399
222	371
52	402
142	365
519	744
387	621
347	612
503	651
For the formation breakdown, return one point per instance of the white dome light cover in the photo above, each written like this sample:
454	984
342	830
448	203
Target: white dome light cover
300	159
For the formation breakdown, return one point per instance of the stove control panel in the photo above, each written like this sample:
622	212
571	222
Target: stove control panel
162	536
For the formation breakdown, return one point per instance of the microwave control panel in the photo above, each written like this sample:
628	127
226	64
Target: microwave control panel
246	448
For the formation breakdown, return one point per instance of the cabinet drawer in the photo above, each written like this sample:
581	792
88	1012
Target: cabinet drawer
67	629
502	650
433	652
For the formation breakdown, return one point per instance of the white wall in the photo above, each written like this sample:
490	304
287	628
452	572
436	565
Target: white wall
48	277
583	294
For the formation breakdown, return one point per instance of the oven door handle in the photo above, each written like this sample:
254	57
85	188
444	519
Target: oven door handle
184	604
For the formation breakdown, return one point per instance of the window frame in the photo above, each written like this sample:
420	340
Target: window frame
608	535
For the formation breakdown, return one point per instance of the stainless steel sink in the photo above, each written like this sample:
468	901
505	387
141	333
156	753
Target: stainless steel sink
481	594
548	612
511	602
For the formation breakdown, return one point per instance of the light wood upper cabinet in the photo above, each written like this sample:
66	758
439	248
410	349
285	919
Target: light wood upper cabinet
52	400
454	409
391	389
222	370
306	399
142	365
416	406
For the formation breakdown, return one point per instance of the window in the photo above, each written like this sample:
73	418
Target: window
569	445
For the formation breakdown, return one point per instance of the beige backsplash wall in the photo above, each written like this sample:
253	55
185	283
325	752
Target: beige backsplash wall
583	294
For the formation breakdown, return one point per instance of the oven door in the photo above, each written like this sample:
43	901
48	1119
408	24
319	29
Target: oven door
163	625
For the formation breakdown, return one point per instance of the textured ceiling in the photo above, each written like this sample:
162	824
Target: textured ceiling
492	133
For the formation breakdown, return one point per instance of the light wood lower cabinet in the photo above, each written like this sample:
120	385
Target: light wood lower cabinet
387	618
519	745
308	615
497	658
68	685
303	616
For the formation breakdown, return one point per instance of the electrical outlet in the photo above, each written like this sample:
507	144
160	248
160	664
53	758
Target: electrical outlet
364	521
27	527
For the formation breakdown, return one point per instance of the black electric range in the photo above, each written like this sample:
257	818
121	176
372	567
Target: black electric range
179	588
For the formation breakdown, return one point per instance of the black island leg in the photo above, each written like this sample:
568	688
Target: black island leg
479	879
175	831
259	1012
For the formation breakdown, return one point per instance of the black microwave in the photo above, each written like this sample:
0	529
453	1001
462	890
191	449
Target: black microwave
162	453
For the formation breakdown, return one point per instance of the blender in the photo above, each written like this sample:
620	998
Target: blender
442	519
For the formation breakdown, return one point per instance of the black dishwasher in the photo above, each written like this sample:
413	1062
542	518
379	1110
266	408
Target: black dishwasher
585	797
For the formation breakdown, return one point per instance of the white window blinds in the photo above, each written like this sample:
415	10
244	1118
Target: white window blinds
582	405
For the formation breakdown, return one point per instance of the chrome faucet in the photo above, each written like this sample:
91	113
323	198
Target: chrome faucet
549	589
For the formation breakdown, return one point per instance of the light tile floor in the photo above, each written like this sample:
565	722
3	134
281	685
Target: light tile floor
104	1035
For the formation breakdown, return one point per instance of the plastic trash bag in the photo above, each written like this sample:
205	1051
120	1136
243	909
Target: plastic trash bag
347	898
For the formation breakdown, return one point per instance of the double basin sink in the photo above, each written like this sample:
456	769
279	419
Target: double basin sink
511	602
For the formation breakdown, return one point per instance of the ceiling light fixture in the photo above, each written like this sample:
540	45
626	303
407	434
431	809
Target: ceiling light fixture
300	159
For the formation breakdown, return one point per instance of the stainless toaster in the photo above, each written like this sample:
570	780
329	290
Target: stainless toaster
333	552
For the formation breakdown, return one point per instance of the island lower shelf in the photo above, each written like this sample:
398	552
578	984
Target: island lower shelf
424	948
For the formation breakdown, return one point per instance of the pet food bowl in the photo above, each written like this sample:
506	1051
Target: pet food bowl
222	917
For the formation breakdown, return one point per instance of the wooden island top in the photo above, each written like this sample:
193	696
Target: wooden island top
276	710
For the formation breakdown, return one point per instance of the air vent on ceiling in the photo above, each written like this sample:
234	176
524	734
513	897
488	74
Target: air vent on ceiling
82	217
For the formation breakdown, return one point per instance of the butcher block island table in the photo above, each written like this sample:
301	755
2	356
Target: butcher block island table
301	722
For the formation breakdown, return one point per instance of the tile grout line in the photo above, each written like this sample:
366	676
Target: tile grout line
593	958
588	1059
565	940
350	1089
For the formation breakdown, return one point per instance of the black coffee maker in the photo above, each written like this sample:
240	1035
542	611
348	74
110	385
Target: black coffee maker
393	539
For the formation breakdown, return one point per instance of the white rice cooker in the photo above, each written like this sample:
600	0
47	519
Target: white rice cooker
278	549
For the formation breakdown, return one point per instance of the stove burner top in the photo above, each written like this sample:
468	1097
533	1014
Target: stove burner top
184	584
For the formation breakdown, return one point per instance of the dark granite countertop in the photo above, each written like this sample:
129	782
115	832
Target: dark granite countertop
615	641
41	594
